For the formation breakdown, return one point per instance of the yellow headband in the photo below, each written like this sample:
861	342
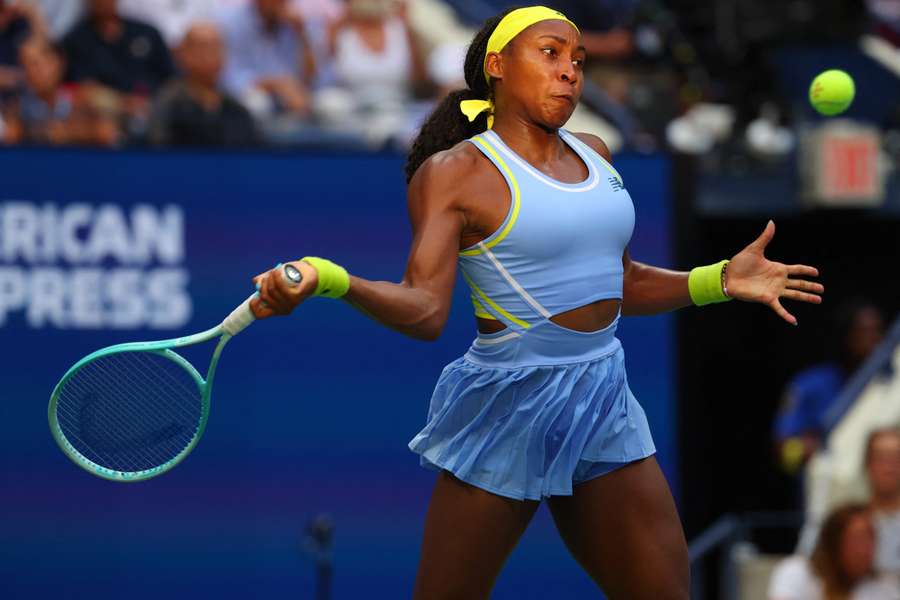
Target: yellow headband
512	25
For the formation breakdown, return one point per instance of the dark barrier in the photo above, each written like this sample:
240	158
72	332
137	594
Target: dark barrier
310	414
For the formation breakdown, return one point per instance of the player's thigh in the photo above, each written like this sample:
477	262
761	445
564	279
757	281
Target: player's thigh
623	528
469	533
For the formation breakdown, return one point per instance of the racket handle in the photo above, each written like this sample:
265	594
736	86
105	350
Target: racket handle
239	318
242	316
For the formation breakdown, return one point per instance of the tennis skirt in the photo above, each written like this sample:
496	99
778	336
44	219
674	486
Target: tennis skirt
528	414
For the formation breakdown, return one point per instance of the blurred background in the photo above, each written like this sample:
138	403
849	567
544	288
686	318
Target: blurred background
157	154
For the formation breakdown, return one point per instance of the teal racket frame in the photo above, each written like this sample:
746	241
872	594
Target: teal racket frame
163	348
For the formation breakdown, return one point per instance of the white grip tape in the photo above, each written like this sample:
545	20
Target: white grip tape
239	318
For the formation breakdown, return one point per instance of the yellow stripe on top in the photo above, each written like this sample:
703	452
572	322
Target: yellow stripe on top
516	200
480	311
493	304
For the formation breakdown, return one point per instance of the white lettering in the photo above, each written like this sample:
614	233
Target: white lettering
86	307
170	305
47	297
48	237
12	290
124	293
20	227
100	266
73	217
163	233
109	236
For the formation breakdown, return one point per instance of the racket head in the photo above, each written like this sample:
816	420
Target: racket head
129	412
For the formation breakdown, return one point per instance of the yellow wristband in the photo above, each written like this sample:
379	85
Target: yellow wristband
705	284
334	281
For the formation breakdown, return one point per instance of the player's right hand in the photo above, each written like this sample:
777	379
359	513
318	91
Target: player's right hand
277	295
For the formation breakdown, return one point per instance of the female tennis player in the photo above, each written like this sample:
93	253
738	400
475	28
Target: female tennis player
539	407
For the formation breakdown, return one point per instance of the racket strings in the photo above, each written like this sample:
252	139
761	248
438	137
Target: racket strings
130	411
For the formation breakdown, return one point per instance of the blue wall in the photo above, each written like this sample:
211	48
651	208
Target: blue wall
310	414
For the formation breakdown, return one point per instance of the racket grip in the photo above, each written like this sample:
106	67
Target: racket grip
239	318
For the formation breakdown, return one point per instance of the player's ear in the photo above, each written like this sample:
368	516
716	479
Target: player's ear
493	65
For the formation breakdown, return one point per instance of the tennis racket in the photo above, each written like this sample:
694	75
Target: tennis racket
134	411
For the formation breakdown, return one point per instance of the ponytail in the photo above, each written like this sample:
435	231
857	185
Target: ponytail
447	126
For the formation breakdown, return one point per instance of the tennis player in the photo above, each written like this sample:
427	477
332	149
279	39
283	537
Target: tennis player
538	221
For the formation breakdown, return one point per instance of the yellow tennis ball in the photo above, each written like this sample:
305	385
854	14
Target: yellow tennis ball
832	92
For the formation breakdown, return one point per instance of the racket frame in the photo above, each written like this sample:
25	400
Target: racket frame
162	348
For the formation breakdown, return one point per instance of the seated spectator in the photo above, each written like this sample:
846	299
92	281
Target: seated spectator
60	15
270	63
98	116
605	26
858	329
18	21
841	566
376	64
124	55
193	111
42	112
882	460
48	113
172	17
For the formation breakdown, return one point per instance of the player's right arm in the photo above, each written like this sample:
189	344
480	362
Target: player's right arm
417	306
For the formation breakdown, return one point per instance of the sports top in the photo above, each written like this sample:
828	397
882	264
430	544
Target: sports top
561	244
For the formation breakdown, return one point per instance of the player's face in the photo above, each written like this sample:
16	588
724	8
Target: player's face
543	68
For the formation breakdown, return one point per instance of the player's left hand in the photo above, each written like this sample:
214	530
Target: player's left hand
277	296
752	277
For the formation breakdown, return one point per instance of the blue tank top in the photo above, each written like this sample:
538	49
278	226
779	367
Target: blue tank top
561	244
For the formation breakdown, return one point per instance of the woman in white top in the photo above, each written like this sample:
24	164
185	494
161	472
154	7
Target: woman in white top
375	66
841	566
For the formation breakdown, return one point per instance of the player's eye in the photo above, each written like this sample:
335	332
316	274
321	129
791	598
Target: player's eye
549	51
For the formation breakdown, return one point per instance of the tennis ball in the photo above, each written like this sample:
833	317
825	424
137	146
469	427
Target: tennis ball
832	92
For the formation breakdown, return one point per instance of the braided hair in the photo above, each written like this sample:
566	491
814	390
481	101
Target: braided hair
447	126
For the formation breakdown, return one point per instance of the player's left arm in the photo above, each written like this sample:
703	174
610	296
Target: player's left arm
750	276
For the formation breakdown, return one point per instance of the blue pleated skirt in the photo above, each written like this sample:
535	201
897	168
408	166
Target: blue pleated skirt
528	414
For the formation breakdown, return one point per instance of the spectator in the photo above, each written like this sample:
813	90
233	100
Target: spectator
605	26
61	15
48	113
270	63
859	327
882	460
18	21
841	566
193	111
42	113
127	56
376	64
173	17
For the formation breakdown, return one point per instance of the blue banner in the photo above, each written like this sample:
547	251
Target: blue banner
310	414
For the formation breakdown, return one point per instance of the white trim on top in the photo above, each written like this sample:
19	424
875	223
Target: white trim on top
573	141
588	184
497	340
515	284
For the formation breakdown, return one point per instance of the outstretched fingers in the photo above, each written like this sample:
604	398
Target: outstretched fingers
805	286
801	296
781	312
802	271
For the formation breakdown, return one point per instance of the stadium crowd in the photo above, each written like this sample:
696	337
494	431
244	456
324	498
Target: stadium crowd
323	73
197	72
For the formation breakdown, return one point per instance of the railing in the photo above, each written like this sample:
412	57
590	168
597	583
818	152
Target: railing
726	534
877	362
